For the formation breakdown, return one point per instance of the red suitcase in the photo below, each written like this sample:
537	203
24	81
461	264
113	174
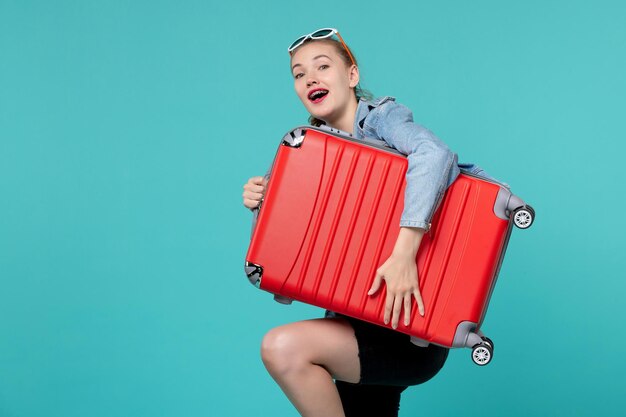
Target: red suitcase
330	218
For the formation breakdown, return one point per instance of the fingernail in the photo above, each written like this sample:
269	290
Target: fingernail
395	326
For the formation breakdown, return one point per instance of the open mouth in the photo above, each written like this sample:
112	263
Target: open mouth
317	95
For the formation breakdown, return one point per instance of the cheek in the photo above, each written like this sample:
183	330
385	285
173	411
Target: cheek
300	89
301	96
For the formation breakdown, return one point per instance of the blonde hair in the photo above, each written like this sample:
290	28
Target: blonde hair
359	93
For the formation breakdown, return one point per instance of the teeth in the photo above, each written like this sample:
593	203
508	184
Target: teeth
317	94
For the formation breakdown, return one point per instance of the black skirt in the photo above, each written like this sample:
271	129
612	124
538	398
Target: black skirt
388	357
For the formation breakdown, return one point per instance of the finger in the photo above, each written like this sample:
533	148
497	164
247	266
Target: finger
252	195
407	309
254	188
256	180
420	302
250	203
388	307
376	284
397	309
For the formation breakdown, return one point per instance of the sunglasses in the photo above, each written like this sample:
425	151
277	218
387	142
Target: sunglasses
320	34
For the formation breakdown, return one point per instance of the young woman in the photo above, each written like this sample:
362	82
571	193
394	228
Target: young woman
340	366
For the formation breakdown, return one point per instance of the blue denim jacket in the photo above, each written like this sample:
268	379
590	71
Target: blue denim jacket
432	167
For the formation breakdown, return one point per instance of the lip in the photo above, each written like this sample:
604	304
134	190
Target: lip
319	100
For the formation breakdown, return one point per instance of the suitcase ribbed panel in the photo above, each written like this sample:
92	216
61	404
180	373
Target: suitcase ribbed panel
349	242
447	268
338	206
467	269
339	214
323	205
355	182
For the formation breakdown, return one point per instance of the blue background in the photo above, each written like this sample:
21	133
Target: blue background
127	130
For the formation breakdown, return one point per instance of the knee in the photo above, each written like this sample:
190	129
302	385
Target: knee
281	352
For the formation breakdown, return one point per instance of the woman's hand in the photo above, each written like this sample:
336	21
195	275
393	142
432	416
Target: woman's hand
254	191
400	275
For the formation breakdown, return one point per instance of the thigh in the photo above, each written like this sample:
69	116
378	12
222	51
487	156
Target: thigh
327	342
369	400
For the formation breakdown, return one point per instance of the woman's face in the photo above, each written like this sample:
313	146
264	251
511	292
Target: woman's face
323	82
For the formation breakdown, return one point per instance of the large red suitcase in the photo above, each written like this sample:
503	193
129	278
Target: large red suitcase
330	218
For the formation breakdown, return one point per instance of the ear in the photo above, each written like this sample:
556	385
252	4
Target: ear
354	76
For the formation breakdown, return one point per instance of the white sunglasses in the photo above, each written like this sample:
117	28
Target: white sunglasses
319	34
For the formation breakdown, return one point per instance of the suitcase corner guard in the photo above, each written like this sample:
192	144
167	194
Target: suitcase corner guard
254	273
510	206
465	335
294	138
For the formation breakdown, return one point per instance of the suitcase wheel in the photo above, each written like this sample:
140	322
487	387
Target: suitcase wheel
489	342
523	217
482	354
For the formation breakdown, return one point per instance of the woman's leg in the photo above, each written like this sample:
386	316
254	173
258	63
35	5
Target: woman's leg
304	357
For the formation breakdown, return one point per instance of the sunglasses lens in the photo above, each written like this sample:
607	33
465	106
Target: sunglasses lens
322	33
296	43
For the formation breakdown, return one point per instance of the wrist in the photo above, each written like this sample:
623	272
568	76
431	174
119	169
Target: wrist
408	242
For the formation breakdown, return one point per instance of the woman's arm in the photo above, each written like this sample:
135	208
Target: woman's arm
432	167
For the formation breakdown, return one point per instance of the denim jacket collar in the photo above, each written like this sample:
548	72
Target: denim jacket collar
363	109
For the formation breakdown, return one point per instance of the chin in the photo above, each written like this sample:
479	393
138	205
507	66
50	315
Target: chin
322	115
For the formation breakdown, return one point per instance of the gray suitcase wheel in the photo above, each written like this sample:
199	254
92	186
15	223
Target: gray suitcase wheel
489	342
523	217
482	354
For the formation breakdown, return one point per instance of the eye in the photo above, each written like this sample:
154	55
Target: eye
323	66
298	75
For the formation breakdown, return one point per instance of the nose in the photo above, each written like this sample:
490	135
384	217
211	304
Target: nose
310	82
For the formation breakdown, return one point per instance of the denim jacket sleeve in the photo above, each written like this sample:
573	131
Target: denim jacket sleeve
432	167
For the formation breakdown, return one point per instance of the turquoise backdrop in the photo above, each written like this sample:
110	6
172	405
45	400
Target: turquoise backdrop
128	128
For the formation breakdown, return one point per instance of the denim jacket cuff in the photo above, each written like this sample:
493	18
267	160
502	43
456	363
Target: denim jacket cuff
413	223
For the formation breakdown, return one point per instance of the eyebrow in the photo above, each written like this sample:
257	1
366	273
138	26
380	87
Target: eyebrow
319	56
